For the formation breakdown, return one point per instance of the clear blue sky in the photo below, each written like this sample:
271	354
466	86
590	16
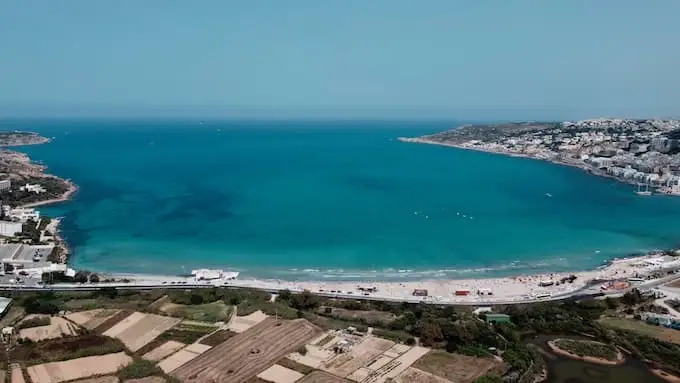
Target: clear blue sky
468	59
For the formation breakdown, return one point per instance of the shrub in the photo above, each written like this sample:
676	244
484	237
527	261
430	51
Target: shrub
138	369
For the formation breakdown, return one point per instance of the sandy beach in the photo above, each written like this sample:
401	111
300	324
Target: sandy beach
527	288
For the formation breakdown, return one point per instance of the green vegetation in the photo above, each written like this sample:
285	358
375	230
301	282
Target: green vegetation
207	312
138	369
588	348
55	350
186	333
34	322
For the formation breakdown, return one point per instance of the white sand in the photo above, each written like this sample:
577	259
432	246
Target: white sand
505	290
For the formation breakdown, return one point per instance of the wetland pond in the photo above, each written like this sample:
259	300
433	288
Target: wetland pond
566	370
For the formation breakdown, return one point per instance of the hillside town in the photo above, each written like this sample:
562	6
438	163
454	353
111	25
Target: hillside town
641	152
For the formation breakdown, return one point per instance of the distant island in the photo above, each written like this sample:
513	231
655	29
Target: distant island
642	152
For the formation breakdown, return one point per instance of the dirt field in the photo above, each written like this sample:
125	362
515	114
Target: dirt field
359	356
91	319
56	329
457	368
279	374
112	321
240	324
16	375
247	354
163	350
414	375
78	368
142	331
658	332
322	377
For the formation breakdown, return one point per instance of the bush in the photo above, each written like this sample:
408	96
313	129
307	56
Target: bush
138	369
302	350
491	378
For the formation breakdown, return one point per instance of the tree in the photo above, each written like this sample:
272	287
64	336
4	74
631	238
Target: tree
285	295
94	278
195	299
81	276
429	331
304	301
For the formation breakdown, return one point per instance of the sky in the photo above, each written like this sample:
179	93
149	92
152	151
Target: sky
485	60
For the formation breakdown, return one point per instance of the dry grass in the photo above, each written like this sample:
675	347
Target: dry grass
322	377
78	368
148	379
249	353
243	323
414	375
457	368
658	332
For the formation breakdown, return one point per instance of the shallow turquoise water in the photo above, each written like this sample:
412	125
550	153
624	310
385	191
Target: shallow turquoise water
331	200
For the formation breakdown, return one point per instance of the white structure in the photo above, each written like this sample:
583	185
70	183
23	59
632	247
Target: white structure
211	274
10	229
5	185
21	214
34	188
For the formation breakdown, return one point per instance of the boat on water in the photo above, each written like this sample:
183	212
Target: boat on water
548	195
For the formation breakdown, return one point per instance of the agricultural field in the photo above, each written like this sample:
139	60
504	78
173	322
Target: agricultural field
163	351
91	319
217	337
182	356
57	328
280	374
186	332
458	368
357	357
78	368
65	348
209	312
249	353
138	329
242	323
640	327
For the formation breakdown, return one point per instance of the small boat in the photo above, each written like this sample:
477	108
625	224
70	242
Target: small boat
548	195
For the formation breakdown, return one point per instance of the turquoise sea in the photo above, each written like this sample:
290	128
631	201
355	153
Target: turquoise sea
342	200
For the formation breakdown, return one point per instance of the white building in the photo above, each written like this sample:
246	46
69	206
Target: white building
9	229
5	185
21	214
35	188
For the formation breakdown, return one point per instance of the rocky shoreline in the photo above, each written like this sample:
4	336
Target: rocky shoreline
19	167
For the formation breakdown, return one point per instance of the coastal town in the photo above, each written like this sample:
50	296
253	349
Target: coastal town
640	152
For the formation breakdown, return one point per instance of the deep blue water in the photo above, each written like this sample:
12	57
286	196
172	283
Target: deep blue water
330	199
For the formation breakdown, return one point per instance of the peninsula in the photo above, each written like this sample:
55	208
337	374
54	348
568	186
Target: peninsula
25	236
642	152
